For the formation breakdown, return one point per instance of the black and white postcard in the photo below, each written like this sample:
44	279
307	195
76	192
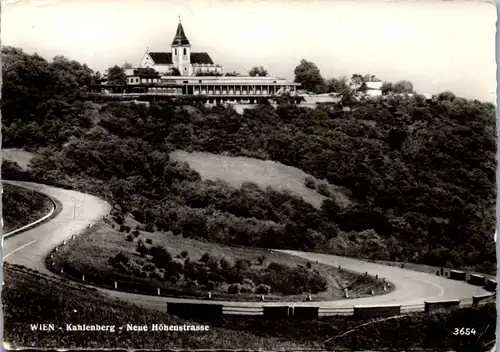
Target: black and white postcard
249	175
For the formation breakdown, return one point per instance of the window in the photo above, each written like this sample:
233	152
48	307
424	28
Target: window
185	51
137	80
185	69
176	51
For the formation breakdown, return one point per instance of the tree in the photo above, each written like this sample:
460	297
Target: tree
231	74
401	87
337	85
116	75
309	76
173	72
387	87
258	71
126	66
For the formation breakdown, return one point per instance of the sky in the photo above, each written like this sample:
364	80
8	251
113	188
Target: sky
438	45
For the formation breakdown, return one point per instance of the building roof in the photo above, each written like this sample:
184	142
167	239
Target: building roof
180	37
201	58
161	58
166	58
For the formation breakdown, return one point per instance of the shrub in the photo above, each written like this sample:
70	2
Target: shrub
142	249
263	289
310	183
210	285
247	288
234	289
184	254
261	259
161	257
242	264
205	258
136	233
150	227
224	264
248	282
309	265
323	189
149	267
277	267
120	258
149	241
130	238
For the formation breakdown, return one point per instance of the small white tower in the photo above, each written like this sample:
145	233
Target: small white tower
181	51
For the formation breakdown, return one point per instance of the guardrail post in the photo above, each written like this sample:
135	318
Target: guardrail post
158	291
309	298
261	297
373	293
210	295
83	277
346	293
116	285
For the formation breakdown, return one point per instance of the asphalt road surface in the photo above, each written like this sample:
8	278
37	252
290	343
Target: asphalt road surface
79	210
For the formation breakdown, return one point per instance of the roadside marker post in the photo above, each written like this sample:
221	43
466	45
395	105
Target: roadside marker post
261	297
158	291
83	277
210	295
309	298
346	293
116	285
373	293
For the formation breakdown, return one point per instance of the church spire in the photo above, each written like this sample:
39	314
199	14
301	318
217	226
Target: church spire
180	37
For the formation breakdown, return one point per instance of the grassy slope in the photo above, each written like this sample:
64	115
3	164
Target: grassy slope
19	156
90	254
236	170
21	206
32	299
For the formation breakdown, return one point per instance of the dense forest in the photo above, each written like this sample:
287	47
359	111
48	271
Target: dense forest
420	172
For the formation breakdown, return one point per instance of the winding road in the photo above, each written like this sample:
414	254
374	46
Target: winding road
30	248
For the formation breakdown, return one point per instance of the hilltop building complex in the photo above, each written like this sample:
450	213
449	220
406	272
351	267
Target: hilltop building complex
182	72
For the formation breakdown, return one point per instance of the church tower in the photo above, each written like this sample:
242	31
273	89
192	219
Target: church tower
181	51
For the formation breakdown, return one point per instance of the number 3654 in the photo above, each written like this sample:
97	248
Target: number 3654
464	331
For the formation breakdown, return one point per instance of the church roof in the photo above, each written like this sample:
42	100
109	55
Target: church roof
201	58
161	58
180	37
166	58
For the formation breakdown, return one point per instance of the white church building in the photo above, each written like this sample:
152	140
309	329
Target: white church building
181	57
